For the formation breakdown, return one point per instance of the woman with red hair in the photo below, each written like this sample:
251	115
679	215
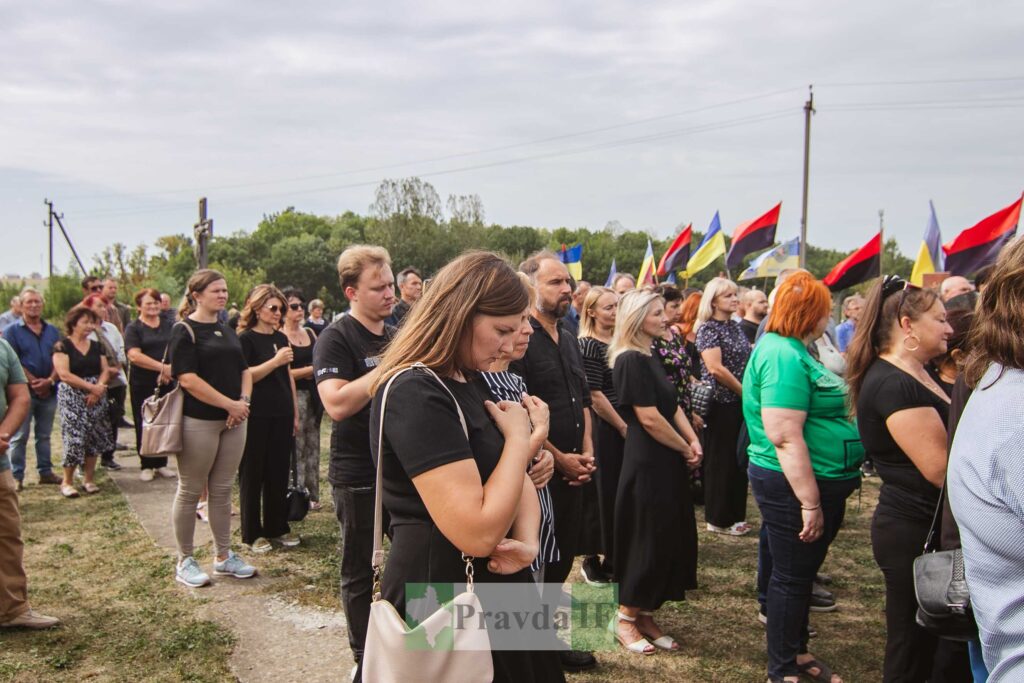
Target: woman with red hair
805	455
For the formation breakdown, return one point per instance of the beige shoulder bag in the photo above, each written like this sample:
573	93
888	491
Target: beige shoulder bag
162	416
395	653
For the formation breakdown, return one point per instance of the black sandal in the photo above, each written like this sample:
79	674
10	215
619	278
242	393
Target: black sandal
824	674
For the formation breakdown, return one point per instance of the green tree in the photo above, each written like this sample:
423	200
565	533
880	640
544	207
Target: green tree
303	261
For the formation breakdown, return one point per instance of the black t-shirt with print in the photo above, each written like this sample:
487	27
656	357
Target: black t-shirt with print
215	356
272	395
347	350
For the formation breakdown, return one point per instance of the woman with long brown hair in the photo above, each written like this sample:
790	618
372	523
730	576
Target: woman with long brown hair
451	496
901	416
263	472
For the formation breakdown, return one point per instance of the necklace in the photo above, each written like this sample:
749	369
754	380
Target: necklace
922	377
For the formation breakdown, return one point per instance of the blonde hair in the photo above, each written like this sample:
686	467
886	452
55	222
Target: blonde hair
357	258
712	291
200	280
476	283
587	321
257	299
634	306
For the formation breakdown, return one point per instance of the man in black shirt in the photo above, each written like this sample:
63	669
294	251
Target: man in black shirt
553	371
344	364
755	309
410	284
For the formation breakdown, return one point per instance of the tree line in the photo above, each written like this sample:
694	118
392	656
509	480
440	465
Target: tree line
407	218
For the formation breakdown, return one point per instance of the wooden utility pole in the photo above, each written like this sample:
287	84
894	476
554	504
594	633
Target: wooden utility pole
49	225
881	239
202	230
54	216
808	110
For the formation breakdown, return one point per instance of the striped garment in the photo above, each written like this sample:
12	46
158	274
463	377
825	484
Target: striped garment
508	386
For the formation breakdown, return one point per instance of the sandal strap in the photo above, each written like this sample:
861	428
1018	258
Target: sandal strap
626	618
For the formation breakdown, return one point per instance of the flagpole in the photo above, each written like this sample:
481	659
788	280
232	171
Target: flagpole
881	238
808	110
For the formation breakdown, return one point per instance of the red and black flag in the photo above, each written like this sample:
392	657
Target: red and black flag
976	247
753	236
858	267
677	254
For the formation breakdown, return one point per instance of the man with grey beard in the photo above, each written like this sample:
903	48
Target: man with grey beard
553	371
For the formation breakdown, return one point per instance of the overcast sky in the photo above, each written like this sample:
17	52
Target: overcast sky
555	113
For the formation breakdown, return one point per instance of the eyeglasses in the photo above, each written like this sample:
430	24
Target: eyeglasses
273	308
96	288
903	298
295	307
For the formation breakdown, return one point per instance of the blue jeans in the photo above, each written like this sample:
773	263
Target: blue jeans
978	669
787	565
41	412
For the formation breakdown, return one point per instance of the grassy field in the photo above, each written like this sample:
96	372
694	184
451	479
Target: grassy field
91	563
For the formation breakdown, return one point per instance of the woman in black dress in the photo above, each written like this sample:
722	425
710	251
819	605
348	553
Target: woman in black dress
655	528
81	397
306	454
449	496
270	433
597	322
145	341
724	351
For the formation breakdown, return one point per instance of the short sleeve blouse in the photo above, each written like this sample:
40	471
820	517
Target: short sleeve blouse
595	365
728	336
84	365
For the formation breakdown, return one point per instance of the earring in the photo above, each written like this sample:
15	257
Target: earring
917	344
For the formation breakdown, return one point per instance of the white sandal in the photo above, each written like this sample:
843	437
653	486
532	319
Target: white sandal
665	642
641	647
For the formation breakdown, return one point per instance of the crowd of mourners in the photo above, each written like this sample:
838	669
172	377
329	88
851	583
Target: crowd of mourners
532	421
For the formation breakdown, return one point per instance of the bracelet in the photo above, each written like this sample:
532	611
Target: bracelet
245	399
809	509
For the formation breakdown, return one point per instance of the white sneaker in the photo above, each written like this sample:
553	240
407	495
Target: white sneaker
167	473
147	474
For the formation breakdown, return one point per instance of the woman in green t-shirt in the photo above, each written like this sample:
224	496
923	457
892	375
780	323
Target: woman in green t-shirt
805	455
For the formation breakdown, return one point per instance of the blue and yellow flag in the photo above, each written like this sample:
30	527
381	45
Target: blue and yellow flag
572	257
611	274
647	277
929	256
710	248
774	261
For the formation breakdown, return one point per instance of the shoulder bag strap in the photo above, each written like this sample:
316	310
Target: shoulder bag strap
167	348
935	518
378	505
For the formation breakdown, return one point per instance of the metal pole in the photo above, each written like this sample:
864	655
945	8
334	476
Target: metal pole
881	238
49	222
808	110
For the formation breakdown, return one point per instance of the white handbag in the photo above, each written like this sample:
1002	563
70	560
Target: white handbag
395	653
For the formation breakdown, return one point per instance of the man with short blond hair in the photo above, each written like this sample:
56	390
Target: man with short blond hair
345	361
11	316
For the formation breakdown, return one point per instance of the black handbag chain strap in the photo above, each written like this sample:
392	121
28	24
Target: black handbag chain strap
935	520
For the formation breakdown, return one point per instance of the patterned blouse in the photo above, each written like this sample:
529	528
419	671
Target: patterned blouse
595	364
728	336
676	361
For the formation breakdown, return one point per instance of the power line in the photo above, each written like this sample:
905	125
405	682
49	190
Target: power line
938	81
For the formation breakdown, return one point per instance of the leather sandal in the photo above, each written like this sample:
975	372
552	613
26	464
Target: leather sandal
824	674
68	491
664	642
640	647
91	487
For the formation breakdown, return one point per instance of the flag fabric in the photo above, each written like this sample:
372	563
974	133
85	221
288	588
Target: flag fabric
611	274
710	248
671	279
647	278
678	253
753	236
978	246
860	266
929	256
774	261
573	259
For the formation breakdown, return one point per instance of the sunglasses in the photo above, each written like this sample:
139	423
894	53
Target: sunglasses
295	307
96	288
274	308
903	297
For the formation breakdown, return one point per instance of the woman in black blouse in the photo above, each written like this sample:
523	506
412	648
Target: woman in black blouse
597	322
724	351
145	341
81	396
263	474
901	415
651	566
449	496
207	359
306	454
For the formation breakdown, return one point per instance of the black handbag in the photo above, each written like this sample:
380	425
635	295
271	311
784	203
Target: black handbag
940	586
298	498
701	395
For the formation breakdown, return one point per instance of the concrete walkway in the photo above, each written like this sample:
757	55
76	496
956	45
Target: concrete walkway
277	642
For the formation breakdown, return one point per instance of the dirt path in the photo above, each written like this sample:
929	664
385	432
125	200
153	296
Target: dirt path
276	641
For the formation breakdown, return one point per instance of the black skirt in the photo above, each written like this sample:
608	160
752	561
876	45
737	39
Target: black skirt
608	453
655	528
421	554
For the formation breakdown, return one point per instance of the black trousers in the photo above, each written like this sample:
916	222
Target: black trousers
608	446
138	394
115	405
725	483
263	478
353	506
